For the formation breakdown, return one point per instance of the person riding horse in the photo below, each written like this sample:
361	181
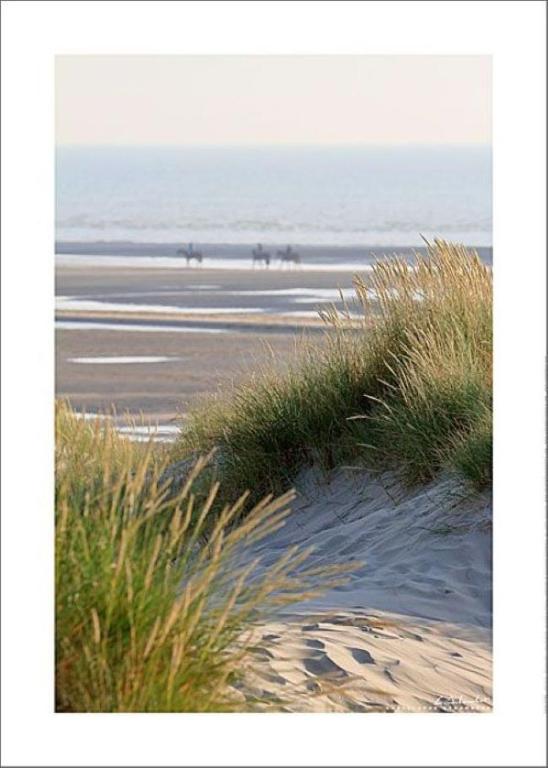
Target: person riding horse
260	255
189	253
289	256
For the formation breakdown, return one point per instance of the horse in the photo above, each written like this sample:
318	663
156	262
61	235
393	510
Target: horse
260	255
288	256
189	255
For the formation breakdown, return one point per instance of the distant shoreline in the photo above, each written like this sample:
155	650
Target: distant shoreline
316	253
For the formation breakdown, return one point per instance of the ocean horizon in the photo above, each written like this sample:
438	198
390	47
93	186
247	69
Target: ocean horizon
358	197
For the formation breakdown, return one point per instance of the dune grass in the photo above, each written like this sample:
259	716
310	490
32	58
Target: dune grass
150	616
406	385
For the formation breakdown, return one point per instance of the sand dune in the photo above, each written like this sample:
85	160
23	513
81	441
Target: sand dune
411	629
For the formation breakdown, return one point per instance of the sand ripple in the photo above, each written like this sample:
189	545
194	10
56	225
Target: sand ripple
411	630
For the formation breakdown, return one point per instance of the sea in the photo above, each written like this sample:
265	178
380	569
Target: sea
146	200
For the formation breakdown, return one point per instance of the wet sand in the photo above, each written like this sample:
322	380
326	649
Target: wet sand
197	288
209	350
202	364
327	255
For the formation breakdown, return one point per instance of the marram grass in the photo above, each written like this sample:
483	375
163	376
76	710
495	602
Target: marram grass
402	380
433	340
150	615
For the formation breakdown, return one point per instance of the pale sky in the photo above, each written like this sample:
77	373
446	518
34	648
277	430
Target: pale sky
209	100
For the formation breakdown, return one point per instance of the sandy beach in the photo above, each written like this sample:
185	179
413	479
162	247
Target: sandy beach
212	327
411	630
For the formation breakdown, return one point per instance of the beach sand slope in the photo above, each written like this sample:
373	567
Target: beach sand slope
410	630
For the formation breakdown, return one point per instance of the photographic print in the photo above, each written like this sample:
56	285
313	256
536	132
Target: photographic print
273	322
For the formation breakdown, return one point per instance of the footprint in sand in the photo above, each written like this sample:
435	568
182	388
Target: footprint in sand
361	656
314	644
323	667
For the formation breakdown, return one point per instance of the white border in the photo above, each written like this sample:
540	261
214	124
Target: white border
32	32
